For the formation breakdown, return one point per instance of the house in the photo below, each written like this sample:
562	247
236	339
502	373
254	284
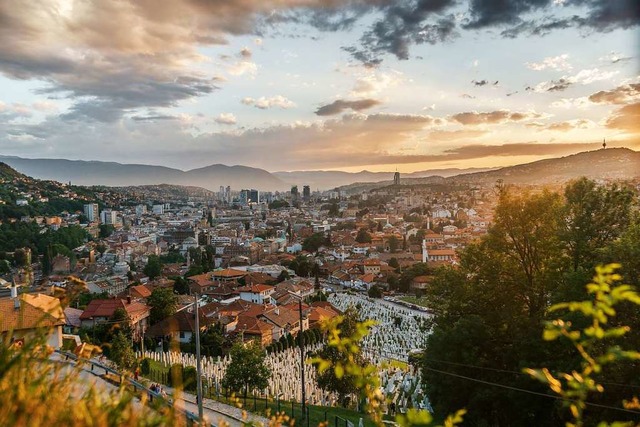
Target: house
25	315
140	292
228	275
180	327
420	283
258	294
72	320
285	321
102	310
371	266
251	328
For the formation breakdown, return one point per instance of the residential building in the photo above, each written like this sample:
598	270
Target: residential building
91	212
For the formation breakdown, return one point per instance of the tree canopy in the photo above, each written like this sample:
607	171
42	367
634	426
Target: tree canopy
489	311
247	370
163	303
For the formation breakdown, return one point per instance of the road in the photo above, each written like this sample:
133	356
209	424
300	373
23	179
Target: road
214	411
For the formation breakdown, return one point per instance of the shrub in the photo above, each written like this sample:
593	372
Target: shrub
145	366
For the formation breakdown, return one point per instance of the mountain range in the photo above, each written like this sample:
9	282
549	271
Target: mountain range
81	172
603	164
610	163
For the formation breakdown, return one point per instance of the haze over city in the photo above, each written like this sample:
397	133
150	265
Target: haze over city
307	85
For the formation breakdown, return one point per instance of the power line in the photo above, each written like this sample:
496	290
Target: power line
513	372
522	390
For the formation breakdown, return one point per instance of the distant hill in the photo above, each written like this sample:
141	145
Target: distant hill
610	163
325	180
117	174
167	191
8	173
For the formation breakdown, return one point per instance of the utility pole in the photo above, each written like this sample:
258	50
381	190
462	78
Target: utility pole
198	364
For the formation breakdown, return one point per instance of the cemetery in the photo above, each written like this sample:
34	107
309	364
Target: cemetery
398	330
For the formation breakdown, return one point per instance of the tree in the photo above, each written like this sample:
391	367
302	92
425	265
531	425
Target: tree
363	236
594	217
106	230
374	292
247	370
313	242
153	268
343	385
394	243
181	285
334	210
488	312
284	275
121	352
163	304
393	262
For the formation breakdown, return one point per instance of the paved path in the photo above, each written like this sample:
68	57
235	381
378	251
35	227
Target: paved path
214	411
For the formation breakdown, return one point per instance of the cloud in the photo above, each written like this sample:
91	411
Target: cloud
615	57
404	24
551	62
338	106
245	53
484	82
514	15
372	83
620	95
584	77
570	103
226	119
242	67
264	103
626	119
570	125
493	117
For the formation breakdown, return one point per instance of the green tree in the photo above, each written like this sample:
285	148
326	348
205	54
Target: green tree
247	370
334	210
313	242
394	243
595	215
106	230
363	236
374	292
181	285
163	303
341	383
121	352
153	268
393	262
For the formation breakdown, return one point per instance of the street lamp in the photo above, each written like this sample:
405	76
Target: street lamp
304	398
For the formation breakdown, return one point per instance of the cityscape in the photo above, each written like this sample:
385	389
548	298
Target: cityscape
368	212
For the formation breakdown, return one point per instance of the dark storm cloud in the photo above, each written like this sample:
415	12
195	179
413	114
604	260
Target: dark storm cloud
488	13
338	106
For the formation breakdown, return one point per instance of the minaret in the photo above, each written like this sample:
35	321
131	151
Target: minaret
425	254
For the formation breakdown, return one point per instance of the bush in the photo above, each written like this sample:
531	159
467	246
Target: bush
176	375
190	378
145	366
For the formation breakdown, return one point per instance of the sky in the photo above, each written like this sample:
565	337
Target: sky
286	85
